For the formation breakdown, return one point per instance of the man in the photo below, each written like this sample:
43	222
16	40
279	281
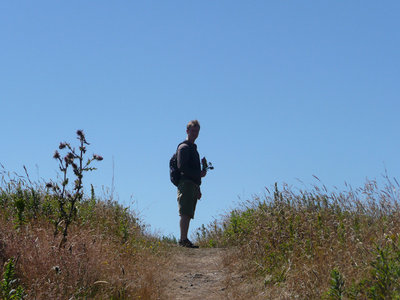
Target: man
188	161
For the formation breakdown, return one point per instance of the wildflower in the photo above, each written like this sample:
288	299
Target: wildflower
49	185
62	145
56	155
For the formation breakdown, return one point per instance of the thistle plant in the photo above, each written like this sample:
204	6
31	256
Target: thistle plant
67	200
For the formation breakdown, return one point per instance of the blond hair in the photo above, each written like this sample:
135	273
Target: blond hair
193	123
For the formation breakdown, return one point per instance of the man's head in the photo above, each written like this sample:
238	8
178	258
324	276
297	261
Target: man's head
192	130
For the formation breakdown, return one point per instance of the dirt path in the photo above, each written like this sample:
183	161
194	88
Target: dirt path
196	274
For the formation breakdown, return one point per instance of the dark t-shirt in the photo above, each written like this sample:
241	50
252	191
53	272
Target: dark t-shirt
189	162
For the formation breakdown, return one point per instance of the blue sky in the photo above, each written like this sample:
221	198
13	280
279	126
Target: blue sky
283	90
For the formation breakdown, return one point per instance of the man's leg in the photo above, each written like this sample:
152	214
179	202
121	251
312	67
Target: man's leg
184	226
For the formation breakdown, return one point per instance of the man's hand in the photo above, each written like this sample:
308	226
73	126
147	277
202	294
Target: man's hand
204	167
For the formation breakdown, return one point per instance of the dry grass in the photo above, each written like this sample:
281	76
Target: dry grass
106	254
284	245
57	243
288	244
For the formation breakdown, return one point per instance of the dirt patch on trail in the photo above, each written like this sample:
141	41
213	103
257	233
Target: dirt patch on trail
196	274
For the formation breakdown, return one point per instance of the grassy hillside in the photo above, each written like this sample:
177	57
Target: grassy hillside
106	253
314	244
58	243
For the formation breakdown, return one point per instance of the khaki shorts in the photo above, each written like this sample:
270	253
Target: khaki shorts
188	193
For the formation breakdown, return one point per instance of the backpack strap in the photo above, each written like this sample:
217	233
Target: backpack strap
184	142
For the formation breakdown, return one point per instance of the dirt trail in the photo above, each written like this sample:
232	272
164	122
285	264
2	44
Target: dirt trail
196	274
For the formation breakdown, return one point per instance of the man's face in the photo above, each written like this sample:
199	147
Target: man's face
193	133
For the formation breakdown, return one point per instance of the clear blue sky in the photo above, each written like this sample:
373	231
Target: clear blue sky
282	89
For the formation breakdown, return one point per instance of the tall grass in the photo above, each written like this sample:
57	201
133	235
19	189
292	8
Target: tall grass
107	254
315	244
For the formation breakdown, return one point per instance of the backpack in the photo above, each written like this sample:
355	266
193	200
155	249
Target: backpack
174	172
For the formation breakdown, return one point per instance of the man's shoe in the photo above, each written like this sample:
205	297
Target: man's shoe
186	243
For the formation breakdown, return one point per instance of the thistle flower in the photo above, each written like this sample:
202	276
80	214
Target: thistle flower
80	134
62	145
56	155
49	185
97	157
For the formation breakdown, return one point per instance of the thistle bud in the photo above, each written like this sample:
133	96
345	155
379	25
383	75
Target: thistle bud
80	134
56	155
69	159
97	157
